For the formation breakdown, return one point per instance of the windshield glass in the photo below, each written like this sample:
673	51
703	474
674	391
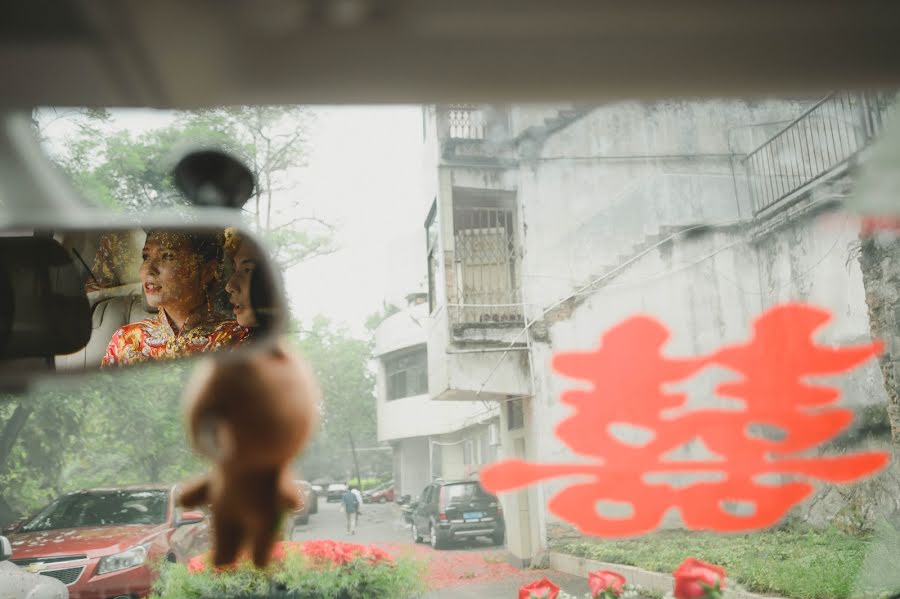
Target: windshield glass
652	330
102	509
464	492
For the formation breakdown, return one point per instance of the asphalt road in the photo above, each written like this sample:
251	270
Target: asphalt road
475	570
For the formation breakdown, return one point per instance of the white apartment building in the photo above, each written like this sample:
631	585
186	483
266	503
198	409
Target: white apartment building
429	439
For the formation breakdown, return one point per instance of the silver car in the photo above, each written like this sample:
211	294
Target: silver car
17	583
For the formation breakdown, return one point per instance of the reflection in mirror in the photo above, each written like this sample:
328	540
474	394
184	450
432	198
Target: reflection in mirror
43	310
211	177
163	294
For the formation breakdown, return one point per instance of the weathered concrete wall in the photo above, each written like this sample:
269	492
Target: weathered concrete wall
707	290
706	287
413	464
625	173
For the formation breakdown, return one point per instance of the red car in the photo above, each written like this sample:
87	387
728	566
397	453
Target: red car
383	495
104	543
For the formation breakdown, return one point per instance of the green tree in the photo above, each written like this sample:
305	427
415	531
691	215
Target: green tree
274	142
36	433
133	429
119	168
114	428
80	152
340	362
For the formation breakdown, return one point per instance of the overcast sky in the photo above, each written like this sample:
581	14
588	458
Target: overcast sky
364	176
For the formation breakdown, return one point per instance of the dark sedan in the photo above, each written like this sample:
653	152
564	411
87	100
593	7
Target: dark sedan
456	510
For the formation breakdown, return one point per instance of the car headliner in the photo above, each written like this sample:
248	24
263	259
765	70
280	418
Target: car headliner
170	53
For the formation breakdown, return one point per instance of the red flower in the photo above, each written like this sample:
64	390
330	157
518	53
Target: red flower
541	589
695	579
197	563
339	553
605	583
321	553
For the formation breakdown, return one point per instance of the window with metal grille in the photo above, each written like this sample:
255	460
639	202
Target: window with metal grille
406	373
487	278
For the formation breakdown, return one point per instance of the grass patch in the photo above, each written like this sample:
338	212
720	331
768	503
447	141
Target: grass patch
796	561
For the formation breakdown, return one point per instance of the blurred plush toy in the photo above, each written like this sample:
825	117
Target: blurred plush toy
251	417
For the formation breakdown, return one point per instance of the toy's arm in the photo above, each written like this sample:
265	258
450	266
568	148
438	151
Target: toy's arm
290	496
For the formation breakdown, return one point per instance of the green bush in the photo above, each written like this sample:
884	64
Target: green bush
368	483
295	577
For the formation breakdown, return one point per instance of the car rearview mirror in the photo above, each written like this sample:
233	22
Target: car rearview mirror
5	549
83	299
190	518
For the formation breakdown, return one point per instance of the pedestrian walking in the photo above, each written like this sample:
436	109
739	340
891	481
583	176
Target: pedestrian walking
351	509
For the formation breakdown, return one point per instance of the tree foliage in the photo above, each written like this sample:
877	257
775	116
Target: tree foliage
126	426
348	407
112	428
130	170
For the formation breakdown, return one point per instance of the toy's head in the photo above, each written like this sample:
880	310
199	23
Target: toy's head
255	412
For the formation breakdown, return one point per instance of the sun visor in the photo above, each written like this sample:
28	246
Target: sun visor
44	309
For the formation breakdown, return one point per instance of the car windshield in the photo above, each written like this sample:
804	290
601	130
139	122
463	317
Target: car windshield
463	492
102	509
650	330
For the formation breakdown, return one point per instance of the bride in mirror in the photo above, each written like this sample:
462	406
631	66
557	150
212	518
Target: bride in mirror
249	287
178	271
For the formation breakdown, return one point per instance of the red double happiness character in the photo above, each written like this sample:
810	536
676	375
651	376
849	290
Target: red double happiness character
628	373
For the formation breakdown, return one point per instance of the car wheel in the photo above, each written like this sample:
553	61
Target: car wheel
417	538
497	538
436	541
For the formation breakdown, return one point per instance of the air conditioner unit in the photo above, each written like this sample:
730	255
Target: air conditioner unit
493	434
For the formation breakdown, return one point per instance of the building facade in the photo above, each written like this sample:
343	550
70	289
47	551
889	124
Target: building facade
547	225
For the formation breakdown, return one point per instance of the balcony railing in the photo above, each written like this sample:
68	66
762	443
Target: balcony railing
466	122
819	141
